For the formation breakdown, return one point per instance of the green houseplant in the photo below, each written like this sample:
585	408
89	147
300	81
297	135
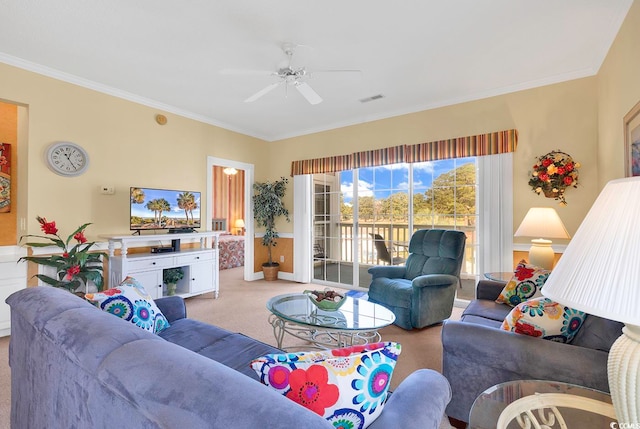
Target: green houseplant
268	205
170	277
75	267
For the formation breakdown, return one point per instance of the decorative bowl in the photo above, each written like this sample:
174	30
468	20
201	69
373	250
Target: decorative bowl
325	304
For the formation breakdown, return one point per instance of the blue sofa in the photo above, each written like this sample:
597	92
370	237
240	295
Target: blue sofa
75	366
477	354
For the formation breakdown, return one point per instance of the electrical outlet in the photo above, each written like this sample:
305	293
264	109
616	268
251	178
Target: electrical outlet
107	190
281	258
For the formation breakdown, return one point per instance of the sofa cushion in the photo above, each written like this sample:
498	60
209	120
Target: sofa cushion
486	309
228	348
131	302
541	317
526	283
346	386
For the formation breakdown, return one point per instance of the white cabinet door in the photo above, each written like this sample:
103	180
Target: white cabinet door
201	277
151	281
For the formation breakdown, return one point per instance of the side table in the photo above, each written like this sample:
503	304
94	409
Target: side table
499	276
531	403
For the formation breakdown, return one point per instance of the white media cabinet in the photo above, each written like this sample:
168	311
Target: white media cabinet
200	265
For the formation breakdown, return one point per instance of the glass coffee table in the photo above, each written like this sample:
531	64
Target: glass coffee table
357	321
551	404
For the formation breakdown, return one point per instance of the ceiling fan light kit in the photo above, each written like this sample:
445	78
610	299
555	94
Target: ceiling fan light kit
295	77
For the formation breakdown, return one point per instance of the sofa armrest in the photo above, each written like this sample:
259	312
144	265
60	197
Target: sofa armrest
489	289
173	307
528	357
418	402
434	280
388	271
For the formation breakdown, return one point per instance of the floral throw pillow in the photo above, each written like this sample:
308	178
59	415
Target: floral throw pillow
347	386
131	302
527	281
541	317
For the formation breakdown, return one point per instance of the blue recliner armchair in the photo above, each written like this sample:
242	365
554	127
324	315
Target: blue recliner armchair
421	293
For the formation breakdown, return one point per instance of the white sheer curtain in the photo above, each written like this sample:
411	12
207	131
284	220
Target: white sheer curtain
495	206
302	228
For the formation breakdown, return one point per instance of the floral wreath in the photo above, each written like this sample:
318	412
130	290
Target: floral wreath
553	173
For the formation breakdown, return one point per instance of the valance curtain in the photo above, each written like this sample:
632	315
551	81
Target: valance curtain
479	145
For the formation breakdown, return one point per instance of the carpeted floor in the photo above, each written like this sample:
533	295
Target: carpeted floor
241	307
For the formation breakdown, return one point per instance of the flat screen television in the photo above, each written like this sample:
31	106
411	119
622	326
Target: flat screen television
173	210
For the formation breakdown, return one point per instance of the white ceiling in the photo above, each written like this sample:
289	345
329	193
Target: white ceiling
418	54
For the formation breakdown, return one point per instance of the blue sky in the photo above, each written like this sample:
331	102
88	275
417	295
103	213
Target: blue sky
170	196
388	179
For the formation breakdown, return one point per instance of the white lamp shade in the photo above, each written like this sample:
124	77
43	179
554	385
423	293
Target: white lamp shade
239	223
542	222
599	272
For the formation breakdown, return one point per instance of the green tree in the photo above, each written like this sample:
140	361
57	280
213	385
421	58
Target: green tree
454	192
366	208
187	202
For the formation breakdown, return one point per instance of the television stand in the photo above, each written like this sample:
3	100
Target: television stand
200	264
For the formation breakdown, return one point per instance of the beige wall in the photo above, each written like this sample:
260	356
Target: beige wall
618	92
126	148
561	116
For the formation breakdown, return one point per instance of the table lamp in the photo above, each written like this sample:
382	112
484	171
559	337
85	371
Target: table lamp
542	222
240	225
599	273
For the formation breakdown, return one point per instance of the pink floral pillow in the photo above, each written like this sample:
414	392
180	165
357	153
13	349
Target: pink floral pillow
527	281
541	317
347	386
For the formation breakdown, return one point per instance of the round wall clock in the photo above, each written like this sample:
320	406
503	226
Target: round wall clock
67	159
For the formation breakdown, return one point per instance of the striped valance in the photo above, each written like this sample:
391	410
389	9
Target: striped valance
460	147
322	165
373	158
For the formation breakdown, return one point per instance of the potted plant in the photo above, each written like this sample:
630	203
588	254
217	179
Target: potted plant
170	277
267	206
75	267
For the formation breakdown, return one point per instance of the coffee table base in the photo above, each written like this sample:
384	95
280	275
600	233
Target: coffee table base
321	338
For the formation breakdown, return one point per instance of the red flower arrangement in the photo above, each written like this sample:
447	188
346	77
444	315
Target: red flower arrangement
75	266
553	173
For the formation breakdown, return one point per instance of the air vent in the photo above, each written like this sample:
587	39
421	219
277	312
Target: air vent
373	97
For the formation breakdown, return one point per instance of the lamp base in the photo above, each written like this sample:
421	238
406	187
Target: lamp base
624	380
541	254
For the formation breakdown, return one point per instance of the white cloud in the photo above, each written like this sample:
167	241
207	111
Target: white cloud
365	189
427	167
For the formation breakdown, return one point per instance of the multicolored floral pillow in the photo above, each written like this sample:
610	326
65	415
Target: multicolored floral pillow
541	317
131	302
527	281
347	386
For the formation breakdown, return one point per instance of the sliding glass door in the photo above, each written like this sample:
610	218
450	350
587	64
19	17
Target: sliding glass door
366	216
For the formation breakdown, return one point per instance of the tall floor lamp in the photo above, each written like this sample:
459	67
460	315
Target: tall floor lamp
542	223
599	273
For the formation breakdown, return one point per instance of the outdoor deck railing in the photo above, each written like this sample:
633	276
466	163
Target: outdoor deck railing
396	238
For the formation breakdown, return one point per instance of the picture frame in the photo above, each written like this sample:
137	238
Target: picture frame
632	141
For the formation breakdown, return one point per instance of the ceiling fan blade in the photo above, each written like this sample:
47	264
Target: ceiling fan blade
242	72
262	92
308	92
336	71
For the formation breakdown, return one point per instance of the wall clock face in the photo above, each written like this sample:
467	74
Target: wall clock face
67	159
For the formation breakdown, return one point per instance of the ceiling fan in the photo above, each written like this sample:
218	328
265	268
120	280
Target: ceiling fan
288	76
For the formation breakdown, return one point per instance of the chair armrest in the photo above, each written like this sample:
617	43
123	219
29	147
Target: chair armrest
173	307
429	280
418	402
388	271
489	289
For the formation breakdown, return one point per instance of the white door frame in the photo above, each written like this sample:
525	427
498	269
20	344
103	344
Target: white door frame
249	174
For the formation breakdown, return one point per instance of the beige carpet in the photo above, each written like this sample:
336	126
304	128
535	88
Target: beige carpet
241	307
